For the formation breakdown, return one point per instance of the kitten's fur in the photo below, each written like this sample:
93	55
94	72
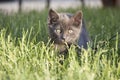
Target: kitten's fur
67	29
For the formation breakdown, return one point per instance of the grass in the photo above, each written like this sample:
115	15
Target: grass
26	54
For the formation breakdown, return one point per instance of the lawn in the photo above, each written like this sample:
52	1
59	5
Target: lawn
27	54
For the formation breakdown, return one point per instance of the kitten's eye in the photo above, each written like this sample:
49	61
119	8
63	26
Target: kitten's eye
70	31
57	30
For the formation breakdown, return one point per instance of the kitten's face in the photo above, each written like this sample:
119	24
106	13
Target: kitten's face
64	28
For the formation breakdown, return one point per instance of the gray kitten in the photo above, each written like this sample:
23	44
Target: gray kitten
67	29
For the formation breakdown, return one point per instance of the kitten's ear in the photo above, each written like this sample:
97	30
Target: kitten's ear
77	18
53	16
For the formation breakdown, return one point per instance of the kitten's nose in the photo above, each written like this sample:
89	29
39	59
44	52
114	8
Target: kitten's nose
63	38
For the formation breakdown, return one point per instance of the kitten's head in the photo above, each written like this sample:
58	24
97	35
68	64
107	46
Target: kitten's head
64	28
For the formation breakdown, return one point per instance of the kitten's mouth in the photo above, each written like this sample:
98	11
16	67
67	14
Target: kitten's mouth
62	42
66	43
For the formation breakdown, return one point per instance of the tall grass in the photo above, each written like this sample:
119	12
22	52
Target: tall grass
27	54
